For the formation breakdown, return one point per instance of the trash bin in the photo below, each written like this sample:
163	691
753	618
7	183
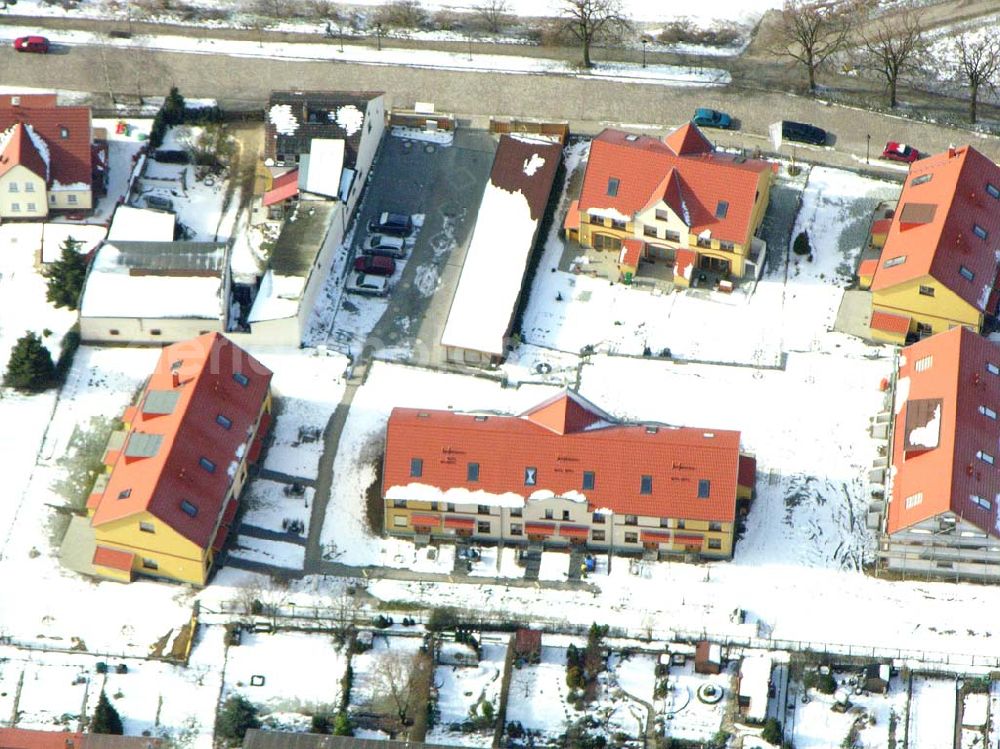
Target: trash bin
628	278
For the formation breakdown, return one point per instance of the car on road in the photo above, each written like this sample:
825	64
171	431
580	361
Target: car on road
375	265
894	151
704	117
387	222
803	133
368	285
32	44
383	244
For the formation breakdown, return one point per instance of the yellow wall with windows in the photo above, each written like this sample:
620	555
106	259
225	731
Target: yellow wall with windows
175	556
942	311
28	188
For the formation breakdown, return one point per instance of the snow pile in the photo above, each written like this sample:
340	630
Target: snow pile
533	164
350	118
284	121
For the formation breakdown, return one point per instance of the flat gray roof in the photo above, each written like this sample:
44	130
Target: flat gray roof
257	739
171	256
300	240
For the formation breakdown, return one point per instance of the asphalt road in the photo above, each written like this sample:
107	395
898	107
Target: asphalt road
589	105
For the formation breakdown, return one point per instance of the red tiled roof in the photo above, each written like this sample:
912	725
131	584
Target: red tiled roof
22	738
959	381
283	187
19	150
881	226
684	261
527	641
113	558
574	531
944	197
867	267
687	140
572	220
642	167
890	323
747	471
199	373
459	522
631	252
563	438
70	156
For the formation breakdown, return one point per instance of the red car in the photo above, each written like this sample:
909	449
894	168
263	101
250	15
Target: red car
31	44
900	152
375	265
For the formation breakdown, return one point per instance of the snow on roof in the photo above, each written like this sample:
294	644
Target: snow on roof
283	120
320	173
928	435
533	164
112	291
42	147
55	235
494	271
456	495
141	225
755	674
976	710
349	117
278	297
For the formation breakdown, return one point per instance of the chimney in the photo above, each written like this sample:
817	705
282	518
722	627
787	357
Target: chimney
951	151
15	101
175	377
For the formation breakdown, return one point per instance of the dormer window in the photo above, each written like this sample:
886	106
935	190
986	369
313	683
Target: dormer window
722	209
188	508
646	485
965	273
613	183
241	378
63	132
207	464
530	476
894	261
125	493
223	421
979	231
704	488
993	190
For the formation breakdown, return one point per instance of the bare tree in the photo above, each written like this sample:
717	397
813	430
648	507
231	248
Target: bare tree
811	31
345	608
400	682
495	13
591	20
977	65
893	43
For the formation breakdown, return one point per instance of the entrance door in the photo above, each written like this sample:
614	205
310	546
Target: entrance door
714	264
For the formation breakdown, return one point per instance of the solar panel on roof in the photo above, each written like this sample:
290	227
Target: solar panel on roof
161	401
143	445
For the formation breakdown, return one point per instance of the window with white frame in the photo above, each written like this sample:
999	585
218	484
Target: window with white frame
913	500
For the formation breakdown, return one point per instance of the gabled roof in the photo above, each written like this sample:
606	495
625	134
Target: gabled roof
26	738
932	232
157	478
527	165
17	148
945	390
294	118
66	132
562	439
641	165
283	187
687	140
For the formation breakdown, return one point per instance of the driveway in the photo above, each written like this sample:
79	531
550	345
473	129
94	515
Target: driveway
444	184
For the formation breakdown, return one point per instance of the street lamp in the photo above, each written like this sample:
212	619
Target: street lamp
378	35
868	148
470	44
644	43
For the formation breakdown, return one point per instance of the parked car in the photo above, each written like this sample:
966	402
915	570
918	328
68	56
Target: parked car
803	133
158	202
363	283
711	118
31	44
381	244
376	265
397	224
900	152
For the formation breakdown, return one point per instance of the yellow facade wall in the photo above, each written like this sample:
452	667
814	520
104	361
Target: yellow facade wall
942	311
175	556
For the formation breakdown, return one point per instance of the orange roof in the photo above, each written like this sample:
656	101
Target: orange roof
945	390
22	738
868	266
881	226
66	132
19	150
572	220
283	187
693	180
114	558
934	232
890	323
563	439
631	252
179	452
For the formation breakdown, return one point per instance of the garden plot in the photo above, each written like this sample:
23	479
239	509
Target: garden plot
346	536
462	688
123	151
370	667
488	566
286	672
685	715
630	677
287	555
975	720
270	506
816	725
538	695
932	712
994	712
51	695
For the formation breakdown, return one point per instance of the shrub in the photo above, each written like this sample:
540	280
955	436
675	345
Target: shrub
801	244
772	731
236	717
320	723
106	719
826	684
442	618
67	350
401	14
66	276
342	725
346	683
30	367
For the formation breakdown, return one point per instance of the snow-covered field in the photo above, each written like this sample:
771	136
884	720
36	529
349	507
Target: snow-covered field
687	717
463	687
538	693
816	725
932	712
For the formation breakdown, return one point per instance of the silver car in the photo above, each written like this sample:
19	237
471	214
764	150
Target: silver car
367	284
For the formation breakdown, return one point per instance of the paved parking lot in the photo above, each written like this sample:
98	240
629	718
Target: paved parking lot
445	184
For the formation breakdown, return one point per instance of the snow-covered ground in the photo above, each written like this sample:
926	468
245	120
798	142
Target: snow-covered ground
816	725
932	712
463	687
538	692
687	717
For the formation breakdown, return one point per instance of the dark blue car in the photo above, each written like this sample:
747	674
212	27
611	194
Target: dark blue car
711	118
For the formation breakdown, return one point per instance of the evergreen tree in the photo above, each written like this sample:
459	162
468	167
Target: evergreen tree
106	719
30	366
342	725
66	276
236	716
173	107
